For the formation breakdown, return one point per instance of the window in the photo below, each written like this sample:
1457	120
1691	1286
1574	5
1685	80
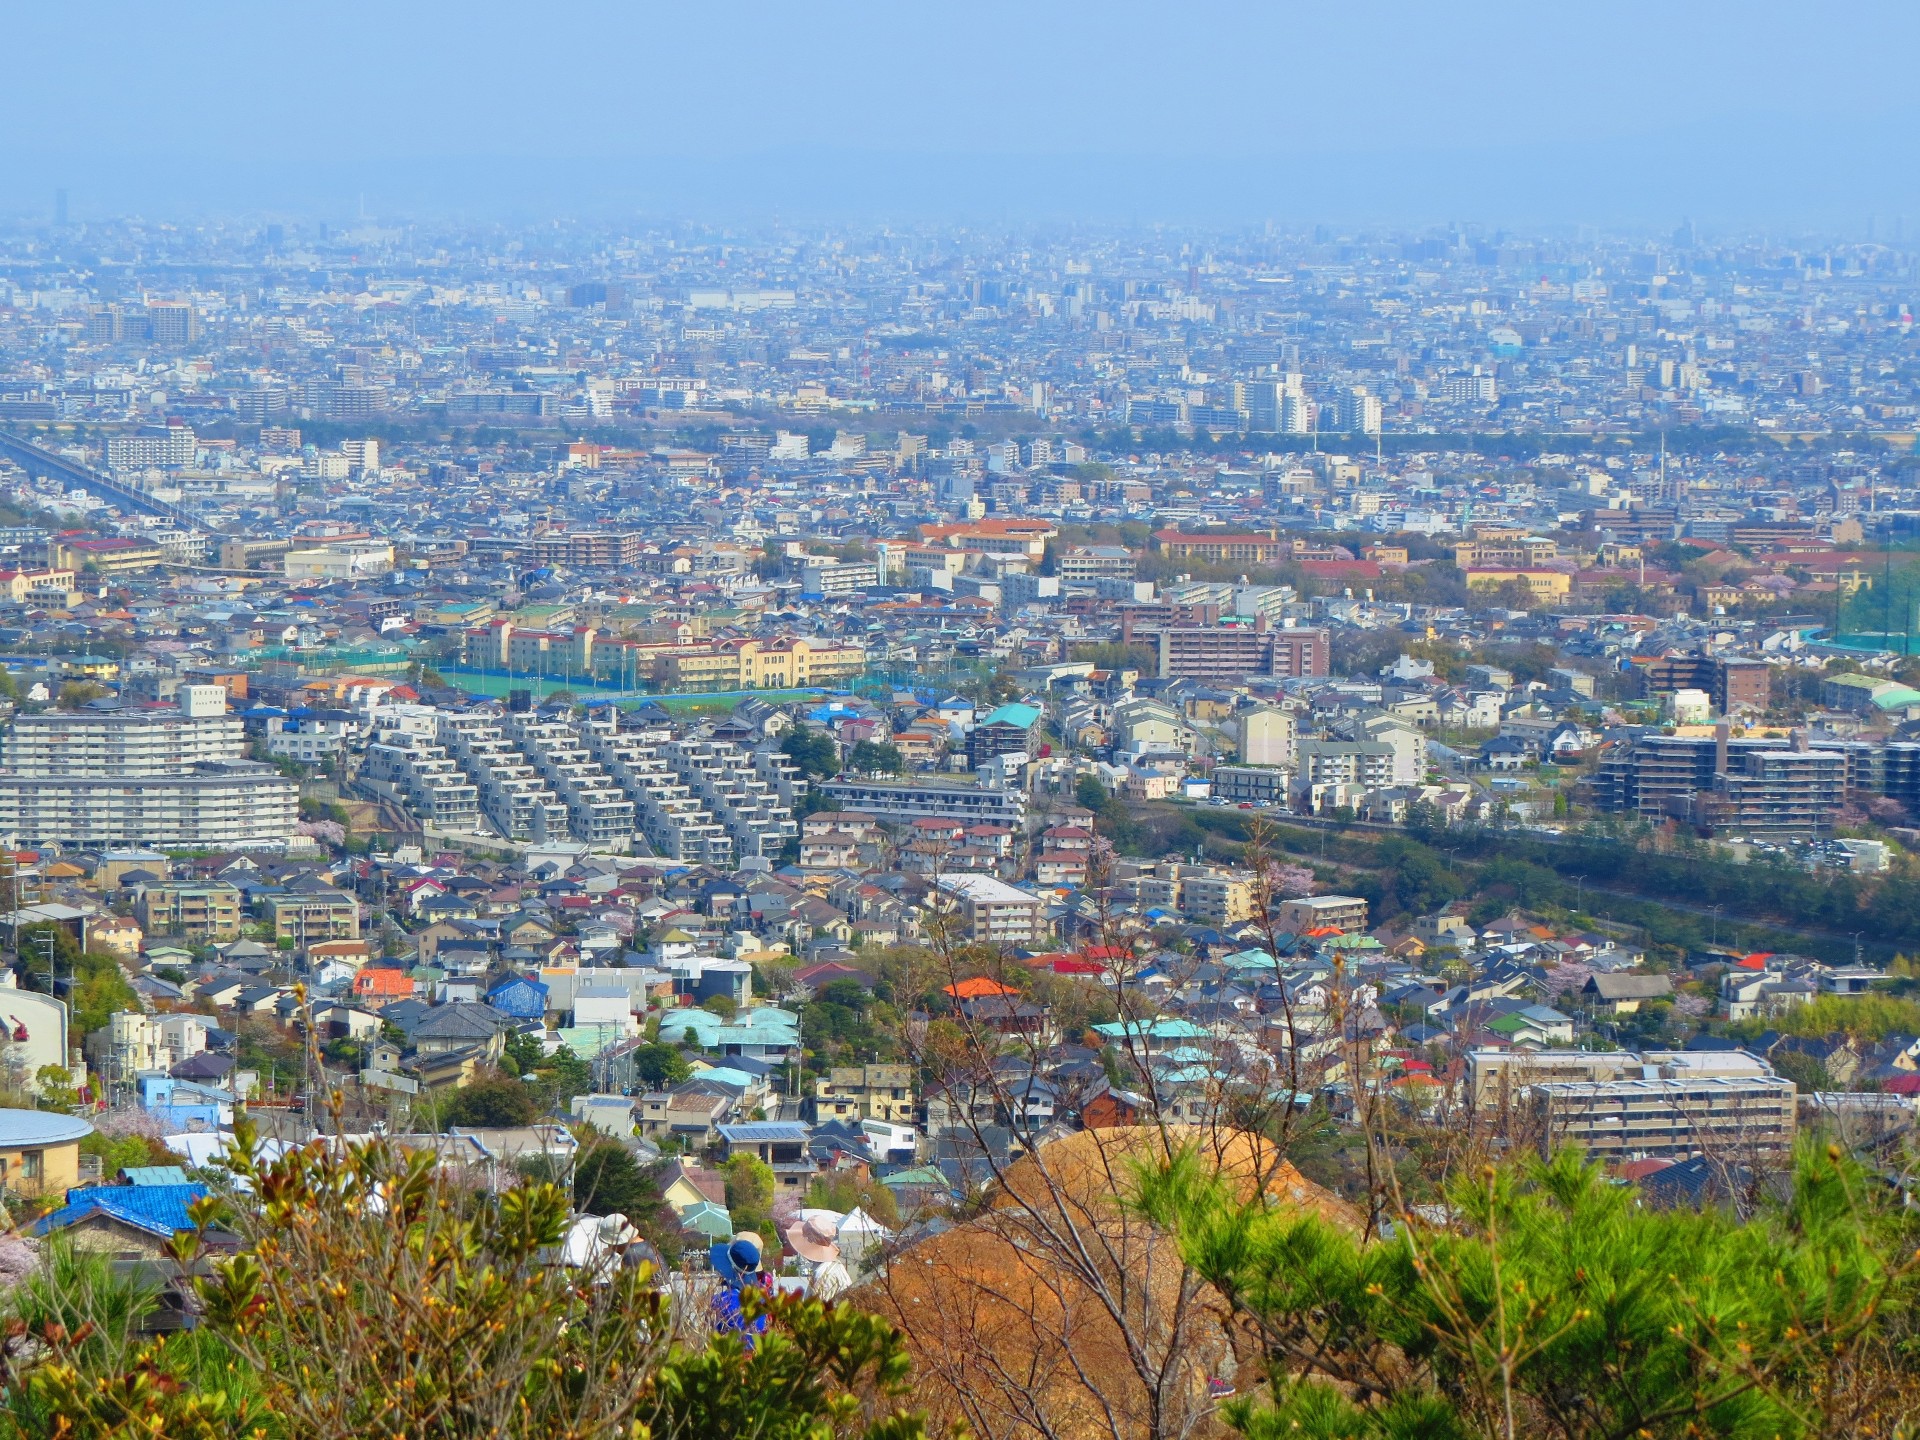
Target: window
31	1164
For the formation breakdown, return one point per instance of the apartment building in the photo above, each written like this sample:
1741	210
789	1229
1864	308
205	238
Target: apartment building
513	799
195	912
1673	1113
1345	913
1083	564
587	549
416	770
1749	785
1228	654
319	913
749	792
993	912
1208	894
904	800
133	1042
236	806
598	812
1497	1078
864	1092
823	577
673	821
1331	773
1733	683
1252	784
131	744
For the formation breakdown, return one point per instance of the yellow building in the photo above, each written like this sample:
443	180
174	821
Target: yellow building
45	587
1543	584
1487	552
865	1092
758	664
194	911
40	1151
314	915
106	555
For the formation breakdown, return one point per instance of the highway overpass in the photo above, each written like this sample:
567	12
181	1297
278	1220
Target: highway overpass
43	463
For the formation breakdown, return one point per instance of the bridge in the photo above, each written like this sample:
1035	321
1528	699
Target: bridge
38	461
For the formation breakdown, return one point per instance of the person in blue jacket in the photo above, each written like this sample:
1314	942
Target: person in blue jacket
737	1263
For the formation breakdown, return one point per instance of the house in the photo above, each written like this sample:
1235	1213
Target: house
123	1220
687	1184
377	986
519	998
1624	994
348	1022
40	1151
864	1092
781	1144
313	912
447	1029
1345	913
692	1112
115	934
609	1114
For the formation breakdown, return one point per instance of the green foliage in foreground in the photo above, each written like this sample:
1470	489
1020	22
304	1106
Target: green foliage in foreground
1552	1304
375	1298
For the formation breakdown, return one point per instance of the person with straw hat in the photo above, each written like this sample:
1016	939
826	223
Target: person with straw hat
813	1240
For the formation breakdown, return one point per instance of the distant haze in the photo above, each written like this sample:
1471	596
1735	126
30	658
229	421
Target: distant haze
1756	113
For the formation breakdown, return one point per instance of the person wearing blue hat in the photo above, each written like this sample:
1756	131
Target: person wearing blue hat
737	1263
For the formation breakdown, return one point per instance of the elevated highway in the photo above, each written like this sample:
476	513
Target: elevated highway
45	464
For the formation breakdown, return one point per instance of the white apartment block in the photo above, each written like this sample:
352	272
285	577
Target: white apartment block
513	798
155	778
748	791
675	823
416	770
597	810
133	1042
237	806
128	743
994	912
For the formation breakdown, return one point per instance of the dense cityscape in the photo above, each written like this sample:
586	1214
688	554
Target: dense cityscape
620	822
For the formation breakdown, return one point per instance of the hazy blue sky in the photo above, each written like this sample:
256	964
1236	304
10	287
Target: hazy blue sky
1367	109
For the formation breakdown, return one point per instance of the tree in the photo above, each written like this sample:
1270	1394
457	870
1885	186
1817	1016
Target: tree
1808	1072
1090	793
374	1297
750	1193
76	693
523	1054
841	1191
812	751
498	1103
100	989
870	756
607	1179
55	1083
660	1066
1549	1302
